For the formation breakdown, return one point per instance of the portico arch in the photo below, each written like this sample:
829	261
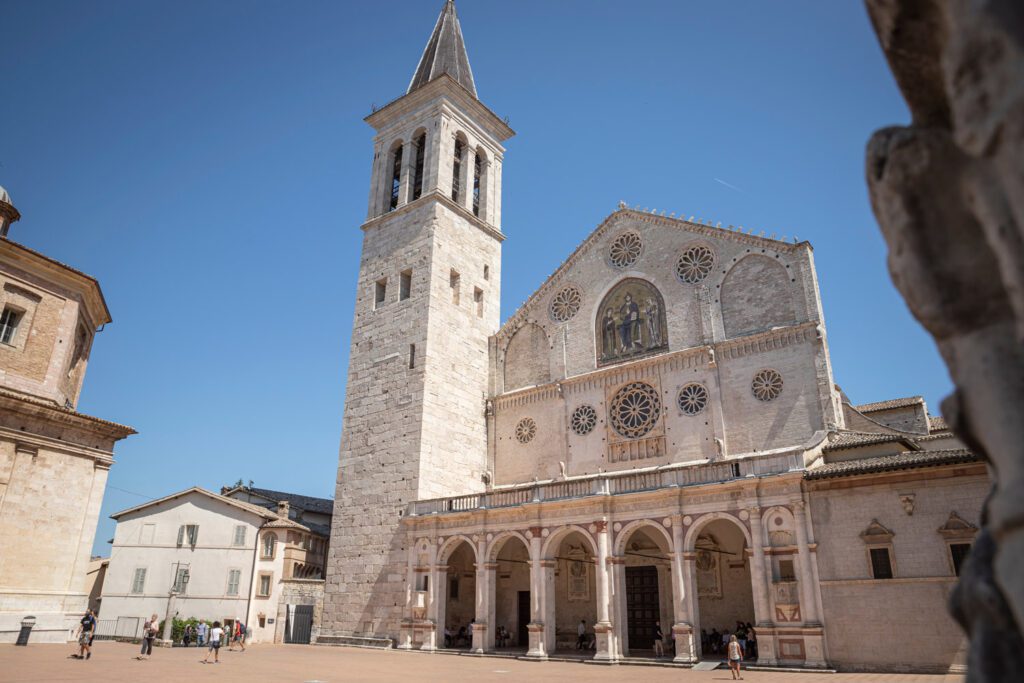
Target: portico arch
456	588
643	595
569	557
720	578
508	586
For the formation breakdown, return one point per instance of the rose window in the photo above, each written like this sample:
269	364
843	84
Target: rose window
566	304
767	385
695	264
692	399
625	250
635	409
583	420
526	430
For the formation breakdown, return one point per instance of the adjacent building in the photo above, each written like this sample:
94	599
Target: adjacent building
54	460
656	435
247	554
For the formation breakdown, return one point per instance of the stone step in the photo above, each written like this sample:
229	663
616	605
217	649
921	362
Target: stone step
355	641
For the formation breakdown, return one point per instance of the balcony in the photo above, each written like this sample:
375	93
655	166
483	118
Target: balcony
612	483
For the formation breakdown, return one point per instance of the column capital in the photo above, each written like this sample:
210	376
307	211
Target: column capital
600	526
799	506
536	531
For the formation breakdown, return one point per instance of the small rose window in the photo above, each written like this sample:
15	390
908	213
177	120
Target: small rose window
767	385
583	420
526	430
625	250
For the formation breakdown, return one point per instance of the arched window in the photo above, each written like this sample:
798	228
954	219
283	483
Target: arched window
477	170
396	176
460	147
269	544
420	150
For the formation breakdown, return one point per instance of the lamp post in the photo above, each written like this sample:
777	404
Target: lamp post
179	583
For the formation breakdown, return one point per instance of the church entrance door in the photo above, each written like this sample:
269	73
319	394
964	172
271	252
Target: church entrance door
643	606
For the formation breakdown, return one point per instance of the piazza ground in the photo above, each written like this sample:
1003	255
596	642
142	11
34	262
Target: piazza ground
114	663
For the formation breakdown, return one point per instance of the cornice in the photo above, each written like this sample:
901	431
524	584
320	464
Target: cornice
697	356
444	200
47	410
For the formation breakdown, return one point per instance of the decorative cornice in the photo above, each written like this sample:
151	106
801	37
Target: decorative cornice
443	199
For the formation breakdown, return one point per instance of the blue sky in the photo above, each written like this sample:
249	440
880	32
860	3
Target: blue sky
208	162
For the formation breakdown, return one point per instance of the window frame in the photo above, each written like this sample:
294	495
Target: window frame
887	547
380	293
180	584
239	530
233	572
270	537
269	576
6	314
952	558
135	581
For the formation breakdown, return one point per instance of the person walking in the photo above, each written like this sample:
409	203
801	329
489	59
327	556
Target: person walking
86	632
186	635
216	633
201	631
735	653
659	640
581	635
149	631
240	634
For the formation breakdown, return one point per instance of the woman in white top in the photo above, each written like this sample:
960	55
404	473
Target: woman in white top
735	653
216	635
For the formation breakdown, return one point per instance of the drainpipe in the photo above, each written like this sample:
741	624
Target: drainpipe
255	549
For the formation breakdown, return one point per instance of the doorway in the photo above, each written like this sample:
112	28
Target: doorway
522	633
643	606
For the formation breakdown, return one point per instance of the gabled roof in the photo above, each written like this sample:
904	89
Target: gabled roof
838	441
610	222
445	53
309	503
248	507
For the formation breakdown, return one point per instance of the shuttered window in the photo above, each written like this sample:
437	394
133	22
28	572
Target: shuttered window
239	535
234	578
139	581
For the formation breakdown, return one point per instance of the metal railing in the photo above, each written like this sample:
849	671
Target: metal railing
122	627
612	484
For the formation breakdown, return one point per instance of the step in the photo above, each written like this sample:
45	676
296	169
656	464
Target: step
355	641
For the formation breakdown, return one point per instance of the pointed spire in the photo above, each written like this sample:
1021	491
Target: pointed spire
445	53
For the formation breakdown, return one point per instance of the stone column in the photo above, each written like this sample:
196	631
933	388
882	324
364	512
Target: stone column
620	630
491	578
682	629
468	157
762	613
548	605
808	605
406	629
435	608
405	177
603	627
485	192
537	598
494	184
482	599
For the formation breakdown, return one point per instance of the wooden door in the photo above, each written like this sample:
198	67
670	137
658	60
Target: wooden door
643	607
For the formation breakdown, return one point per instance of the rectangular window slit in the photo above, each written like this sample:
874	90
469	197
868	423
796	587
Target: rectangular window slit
380	292
453	282
478	299
405	285
412	356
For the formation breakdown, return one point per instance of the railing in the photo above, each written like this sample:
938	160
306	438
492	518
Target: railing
612	484
122	627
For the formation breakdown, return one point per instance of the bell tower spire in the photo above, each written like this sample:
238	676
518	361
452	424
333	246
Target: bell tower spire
445	53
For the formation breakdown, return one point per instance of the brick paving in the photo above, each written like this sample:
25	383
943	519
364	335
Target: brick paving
114	663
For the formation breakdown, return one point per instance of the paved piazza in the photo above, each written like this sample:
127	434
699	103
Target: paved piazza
114	662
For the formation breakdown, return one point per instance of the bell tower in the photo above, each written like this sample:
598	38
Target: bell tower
427	302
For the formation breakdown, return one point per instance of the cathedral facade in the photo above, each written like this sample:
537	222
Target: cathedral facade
654	440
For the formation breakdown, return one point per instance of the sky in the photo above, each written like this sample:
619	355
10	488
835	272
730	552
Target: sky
208	163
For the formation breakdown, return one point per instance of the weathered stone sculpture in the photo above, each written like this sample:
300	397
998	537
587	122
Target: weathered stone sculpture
948	192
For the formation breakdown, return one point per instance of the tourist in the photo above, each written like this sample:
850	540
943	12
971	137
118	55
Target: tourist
659	637
751	642
186	635
447	637
149	630
714	641
86	632
741	635
201	630
581	635
502	637
216	633
725	641
735	653
240	634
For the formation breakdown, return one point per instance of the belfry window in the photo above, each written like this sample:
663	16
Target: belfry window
457	170
420	150
477	169
396	176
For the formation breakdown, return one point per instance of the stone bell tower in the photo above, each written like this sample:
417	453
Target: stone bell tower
427	301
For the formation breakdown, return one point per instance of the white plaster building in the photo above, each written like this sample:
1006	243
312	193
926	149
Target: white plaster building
655	435
225	559
54	460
